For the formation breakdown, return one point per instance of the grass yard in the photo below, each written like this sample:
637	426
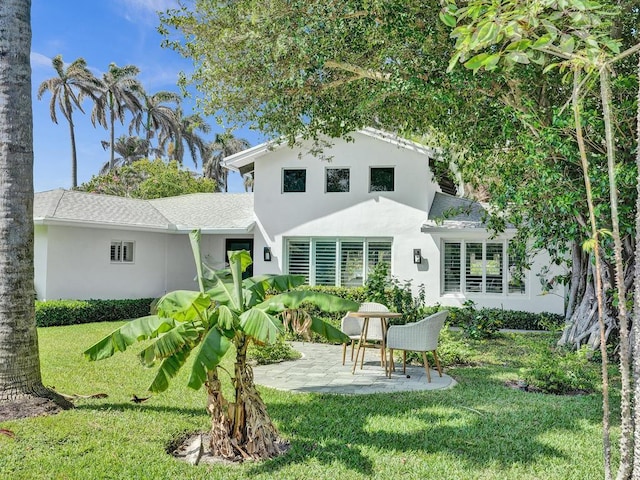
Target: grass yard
478	430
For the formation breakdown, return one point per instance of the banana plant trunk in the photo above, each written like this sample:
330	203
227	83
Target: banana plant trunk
241	429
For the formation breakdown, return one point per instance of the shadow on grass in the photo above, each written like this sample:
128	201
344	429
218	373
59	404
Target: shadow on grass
482	425
126	407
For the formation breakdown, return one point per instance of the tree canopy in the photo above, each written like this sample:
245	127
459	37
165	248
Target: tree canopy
149	179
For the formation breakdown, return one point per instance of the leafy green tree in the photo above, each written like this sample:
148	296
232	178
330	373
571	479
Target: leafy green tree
120	92
148	179
226	312
224	145
67	92
301	69
20	380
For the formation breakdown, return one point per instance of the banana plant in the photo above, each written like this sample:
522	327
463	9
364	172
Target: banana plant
226	311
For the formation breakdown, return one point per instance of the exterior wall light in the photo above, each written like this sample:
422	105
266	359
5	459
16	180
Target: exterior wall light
417	256
266	254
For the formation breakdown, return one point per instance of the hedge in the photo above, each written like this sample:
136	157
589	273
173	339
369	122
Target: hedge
51	313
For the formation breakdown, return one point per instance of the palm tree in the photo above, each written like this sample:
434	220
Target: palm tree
120	92
227	311
20	379
129	149
188	126
67	91
155	116
224	145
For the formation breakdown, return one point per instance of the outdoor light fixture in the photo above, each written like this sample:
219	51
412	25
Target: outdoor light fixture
266	254
417	256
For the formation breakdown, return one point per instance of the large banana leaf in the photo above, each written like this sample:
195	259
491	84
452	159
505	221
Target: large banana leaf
260	325
328	331
212	349
226	318
326	302
224	293
238	263
184	305
129	333
167	344
206	276
258	286
169	368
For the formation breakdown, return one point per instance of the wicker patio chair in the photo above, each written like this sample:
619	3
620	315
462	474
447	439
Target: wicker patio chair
352	326
421	336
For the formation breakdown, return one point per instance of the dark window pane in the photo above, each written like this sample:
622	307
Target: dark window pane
382	179
294	180
337	179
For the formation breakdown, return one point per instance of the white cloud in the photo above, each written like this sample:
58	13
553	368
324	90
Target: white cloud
145	10
38	60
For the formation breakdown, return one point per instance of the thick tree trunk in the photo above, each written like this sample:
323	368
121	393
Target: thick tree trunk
242	429
19	360
581	327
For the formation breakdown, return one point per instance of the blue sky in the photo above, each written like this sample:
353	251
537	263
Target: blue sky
105	31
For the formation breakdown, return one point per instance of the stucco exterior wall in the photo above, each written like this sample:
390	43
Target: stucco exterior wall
397	215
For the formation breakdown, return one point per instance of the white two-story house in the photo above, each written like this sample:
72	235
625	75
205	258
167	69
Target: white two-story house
332	221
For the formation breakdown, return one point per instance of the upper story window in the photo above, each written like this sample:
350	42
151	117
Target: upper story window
483	267
337	180
382	179
122	251
294	180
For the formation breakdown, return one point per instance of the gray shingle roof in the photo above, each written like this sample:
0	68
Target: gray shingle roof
208	211
448	211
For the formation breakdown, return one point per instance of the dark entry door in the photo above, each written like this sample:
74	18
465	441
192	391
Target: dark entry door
234	244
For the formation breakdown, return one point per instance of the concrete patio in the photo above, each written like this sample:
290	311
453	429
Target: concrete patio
320	370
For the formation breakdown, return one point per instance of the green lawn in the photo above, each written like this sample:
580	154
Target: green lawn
478	430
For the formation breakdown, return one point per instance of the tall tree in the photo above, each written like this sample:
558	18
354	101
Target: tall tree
301	68
156	117
20	379
223	145
121	92
67	92
187	135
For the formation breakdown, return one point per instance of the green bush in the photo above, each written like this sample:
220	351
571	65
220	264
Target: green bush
451	351
278	352
510	319
51	313
562	372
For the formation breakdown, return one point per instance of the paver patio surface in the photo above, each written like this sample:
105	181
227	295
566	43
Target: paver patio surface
320	370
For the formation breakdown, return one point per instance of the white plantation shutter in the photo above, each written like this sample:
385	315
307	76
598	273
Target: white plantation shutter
299	258
474	267
494	268
378	252
325	262
452	271
351	264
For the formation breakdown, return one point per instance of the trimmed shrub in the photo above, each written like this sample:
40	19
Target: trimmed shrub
266	354
51	313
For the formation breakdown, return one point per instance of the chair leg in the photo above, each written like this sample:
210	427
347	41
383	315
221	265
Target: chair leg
344	352
426	366
404	362
435	355
390	365
353	345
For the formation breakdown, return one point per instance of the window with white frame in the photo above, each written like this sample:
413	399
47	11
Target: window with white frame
122	251
480	267
336	261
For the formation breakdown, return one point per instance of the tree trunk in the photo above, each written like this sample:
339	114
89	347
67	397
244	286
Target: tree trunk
19	359
582	327
74	154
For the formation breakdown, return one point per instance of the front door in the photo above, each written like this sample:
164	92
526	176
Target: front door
234	244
